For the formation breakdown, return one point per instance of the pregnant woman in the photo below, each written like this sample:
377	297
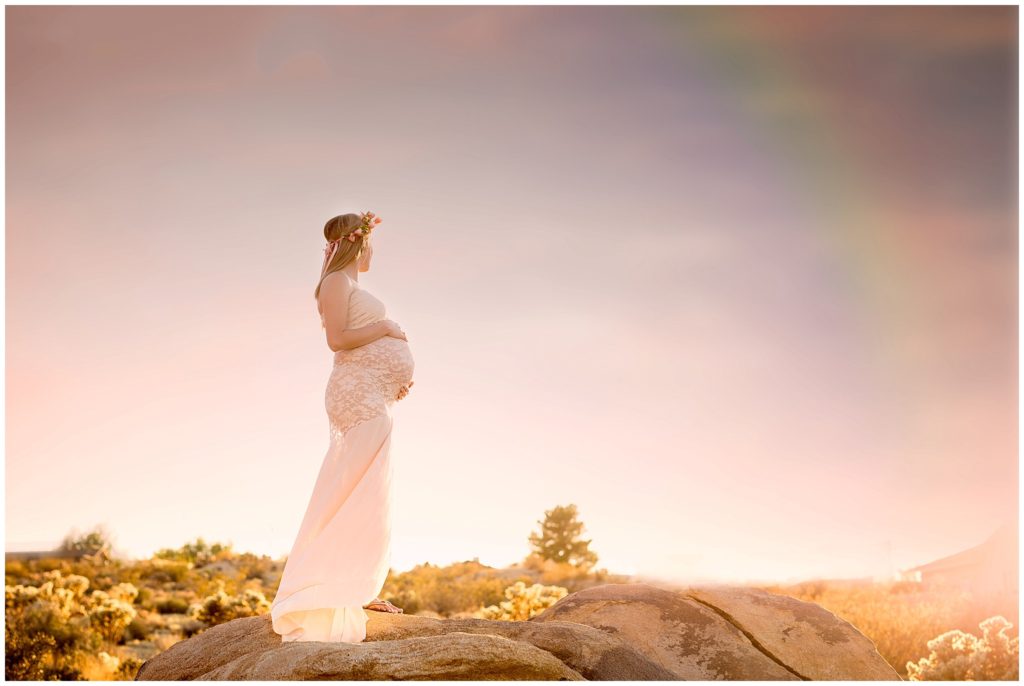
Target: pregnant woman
341	555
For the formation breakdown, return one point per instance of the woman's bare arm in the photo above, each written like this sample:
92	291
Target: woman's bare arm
353	338
334	294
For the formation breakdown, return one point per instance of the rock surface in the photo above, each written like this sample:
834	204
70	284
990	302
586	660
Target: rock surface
727	632
453	656
619	632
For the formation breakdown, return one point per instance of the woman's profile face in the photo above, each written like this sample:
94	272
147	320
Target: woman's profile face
364	260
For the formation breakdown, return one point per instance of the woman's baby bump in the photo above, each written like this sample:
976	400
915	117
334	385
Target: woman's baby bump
397	357
389	357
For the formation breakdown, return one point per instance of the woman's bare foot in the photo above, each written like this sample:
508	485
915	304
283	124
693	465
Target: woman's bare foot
382	606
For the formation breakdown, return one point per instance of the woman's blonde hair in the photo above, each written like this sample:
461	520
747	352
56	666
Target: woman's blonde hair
335	228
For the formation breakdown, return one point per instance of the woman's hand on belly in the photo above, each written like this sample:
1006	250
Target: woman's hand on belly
393	329
404	390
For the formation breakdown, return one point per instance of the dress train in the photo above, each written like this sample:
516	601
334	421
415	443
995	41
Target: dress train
341	556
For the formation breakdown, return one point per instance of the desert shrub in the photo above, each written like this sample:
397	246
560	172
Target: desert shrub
191	627
145	598
486	591
139	629
160	571
570	576
62	612
51	564
110	612
522	602
124	591
961	656
128	668
172	605
47	630
444	598
105	666
221	607
262	567
34	655
101	666
459	588
16	572
197	553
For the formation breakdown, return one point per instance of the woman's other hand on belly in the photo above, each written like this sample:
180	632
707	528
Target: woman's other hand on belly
404	390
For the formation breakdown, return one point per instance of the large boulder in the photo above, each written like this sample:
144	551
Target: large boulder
407	647
727	632
619	632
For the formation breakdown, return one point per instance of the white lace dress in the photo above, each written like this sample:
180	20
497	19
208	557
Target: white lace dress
341	555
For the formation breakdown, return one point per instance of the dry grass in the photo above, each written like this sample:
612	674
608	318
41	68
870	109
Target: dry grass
901	617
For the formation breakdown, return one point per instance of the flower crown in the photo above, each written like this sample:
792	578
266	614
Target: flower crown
367	222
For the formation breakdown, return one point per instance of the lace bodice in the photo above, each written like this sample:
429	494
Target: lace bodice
365	380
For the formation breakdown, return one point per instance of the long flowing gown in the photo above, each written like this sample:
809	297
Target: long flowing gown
341	555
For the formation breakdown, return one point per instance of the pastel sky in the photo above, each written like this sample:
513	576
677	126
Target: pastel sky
739	282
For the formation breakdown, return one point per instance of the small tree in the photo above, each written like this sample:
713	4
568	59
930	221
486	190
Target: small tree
94	543
559	538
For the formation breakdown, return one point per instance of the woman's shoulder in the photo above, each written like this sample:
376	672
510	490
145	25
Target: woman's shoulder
336	286
338	282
